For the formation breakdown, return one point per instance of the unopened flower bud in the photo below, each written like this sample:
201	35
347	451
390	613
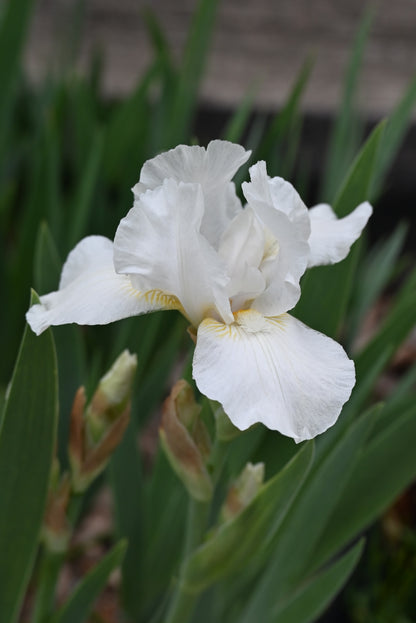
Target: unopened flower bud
98	429
111	396
186	442
243	491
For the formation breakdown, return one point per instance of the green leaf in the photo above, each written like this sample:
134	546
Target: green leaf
237	541
27	439
312	597
382	471
326	289
79	605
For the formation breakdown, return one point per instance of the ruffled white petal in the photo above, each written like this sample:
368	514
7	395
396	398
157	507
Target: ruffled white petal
91	292
242	249
160	246
213	168
279	207
273	370
210	167
331	238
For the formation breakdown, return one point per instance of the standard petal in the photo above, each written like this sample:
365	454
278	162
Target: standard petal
277	193
160	246
331	238
273	370
213	168
242	249
210	167
91	292
281	210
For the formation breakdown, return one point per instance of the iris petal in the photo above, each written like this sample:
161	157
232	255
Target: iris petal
273	370
160	246
91	292
279	207
213	168
331	238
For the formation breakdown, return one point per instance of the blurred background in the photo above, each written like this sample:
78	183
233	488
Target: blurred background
257	47
258	44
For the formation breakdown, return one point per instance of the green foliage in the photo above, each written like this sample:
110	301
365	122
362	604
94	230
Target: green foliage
311	599
27	439
367	494
294	544
237	541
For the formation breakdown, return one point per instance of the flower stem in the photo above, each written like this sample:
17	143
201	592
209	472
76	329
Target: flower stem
48	575
183	602
49	568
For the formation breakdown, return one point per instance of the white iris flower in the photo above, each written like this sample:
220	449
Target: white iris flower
234	272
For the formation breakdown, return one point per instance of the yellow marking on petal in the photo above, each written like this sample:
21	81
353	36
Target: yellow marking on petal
219	328
279	320
245	321
251	321
156	298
